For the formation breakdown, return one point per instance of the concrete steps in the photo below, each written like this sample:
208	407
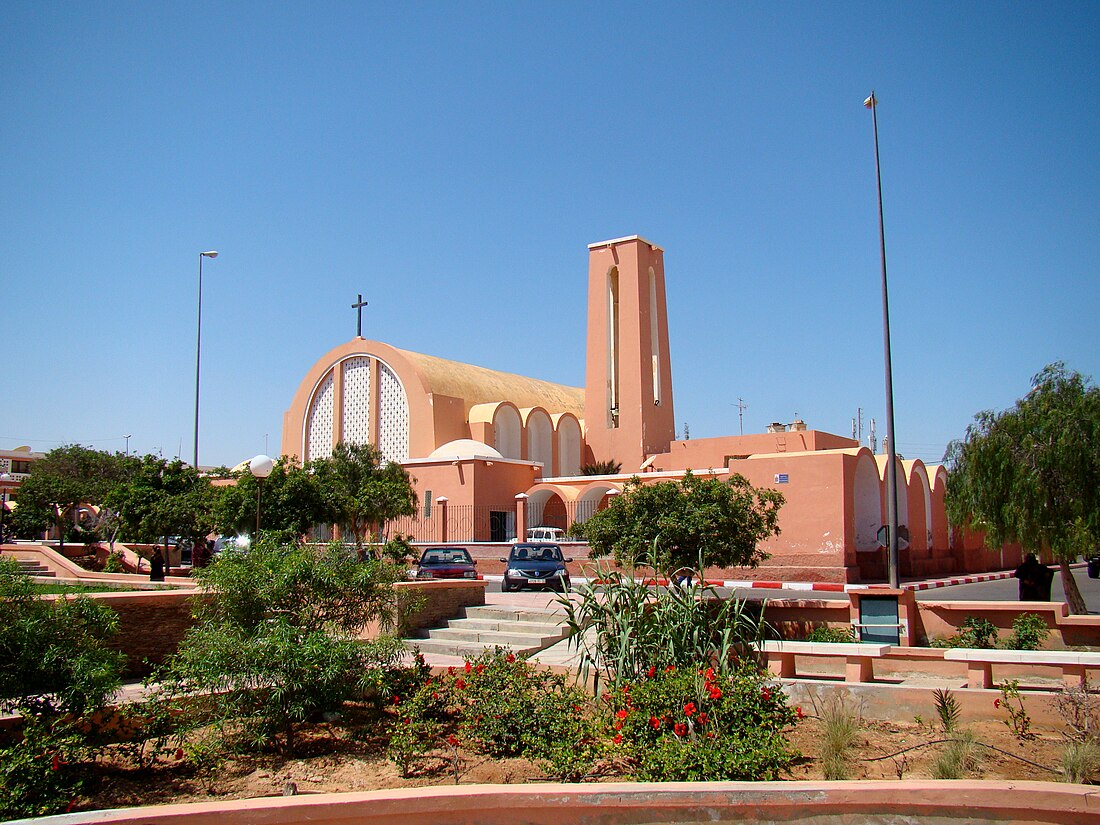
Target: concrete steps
33	568
518	629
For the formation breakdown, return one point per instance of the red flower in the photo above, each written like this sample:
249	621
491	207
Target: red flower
670	669
468	667
72	804
715	693
798	712
652	671
618	740
576	708
179	753
460	683
701	718
710	734
435	695
452	740
765	694
618	726
689	709
621	714
654	722
480	668
996	703
709	675
450	671
56	766
397	700
511	657
680	729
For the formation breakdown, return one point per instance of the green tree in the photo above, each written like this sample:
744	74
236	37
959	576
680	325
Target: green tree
362	490
163	498
55	670
1031	474
66	478
686	522
276	639
291	501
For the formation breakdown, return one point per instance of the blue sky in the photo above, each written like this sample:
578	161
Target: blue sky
452	162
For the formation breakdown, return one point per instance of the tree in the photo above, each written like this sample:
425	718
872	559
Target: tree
163	498
362	490
1031	474
687	522
291	501
276	639
66	478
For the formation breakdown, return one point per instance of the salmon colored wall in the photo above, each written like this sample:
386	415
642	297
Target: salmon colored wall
704	453
644	428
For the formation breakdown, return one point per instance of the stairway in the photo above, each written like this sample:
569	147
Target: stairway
518	629
33	568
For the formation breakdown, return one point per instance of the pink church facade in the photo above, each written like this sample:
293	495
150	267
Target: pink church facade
493	453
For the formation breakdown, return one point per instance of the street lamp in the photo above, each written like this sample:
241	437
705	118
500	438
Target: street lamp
891	456
198	355
127	437
260	467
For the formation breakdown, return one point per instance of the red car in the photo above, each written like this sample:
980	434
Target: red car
446	563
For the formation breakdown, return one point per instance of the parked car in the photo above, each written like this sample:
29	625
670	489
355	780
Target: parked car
446	563
538	535
535	564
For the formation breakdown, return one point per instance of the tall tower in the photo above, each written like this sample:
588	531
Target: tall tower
628	411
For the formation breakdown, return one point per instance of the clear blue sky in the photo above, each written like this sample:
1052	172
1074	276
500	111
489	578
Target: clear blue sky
451	161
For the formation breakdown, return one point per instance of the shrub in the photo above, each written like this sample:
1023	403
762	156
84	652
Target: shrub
976	632
275	643
687	724
622	627
840	723
1080	760
1029	631
958	757
1018	721
947	708
837	635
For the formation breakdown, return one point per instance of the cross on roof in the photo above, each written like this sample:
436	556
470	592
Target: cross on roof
358	306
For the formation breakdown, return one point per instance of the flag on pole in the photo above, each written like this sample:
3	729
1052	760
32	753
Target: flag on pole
870	101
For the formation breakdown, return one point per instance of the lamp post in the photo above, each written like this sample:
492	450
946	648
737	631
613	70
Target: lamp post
198	355
127	437
891	456
260	467
4	479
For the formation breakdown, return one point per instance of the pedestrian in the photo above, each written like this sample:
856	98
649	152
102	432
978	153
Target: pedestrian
1035	580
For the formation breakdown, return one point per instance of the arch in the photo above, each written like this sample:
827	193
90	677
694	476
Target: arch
866	503
507	430
903	489
319	420
357	406
393	415
594	498
569	444
941	531
540	438
918	505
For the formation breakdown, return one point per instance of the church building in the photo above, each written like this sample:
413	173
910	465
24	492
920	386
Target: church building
493	453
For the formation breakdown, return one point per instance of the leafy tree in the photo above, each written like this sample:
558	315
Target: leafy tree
363	490
164	498
292	501
66	478
276	640
686	522
55	670
1031	474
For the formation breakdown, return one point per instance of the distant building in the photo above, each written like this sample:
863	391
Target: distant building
494	453
15	467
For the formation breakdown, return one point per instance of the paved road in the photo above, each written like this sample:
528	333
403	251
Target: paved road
1008	590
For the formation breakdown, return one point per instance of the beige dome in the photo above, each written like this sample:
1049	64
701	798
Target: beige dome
465	448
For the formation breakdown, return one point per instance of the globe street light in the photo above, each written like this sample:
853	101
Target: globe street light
198	355
260	467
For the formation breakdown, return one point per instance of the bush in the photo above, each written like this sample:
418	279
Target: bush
1029	631
275	643
840	723
976	632
958	757
837	635
687	724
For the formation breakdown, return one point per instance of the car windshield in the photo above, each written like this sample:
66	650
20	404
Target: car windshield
548	552
446	555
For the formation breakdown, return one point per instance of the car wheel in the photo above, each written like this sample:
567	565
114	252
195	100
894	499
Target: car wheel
505	587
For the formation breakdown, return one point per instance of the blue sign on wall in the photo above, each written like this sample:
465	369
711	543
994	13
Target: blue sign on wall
782	478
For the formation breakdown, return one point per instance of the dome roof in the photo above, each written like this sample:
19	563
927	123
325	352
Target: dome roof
465	448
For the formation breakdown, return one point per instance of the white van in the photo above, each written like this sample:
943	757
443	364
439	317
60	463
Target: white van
543	535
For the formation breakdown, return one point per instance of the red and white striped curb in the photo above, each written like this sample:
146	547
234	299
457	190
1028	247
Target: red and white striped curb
974	579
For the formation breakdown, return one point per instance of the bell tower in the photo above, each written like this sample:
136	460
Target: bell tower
628	413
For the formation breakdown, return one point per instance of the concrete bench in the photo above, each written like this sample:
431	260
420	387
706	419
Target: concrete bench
858	657
979	663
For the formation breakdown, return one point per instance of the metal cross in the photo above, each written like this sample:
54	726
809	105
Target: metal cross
358	305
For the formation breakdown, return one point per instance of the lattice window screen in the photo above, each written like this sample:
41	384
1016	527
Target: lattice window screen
319	426
357	410
393	416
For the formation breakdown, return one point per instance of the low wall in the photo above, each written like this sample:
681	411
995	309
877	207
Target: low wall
442	600
764	803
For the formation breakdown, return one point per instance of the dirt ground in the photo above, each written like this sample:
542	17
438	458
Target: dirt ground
332	759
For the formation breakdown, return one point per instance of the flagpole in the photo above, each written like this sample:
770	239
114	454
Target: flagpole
891	454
